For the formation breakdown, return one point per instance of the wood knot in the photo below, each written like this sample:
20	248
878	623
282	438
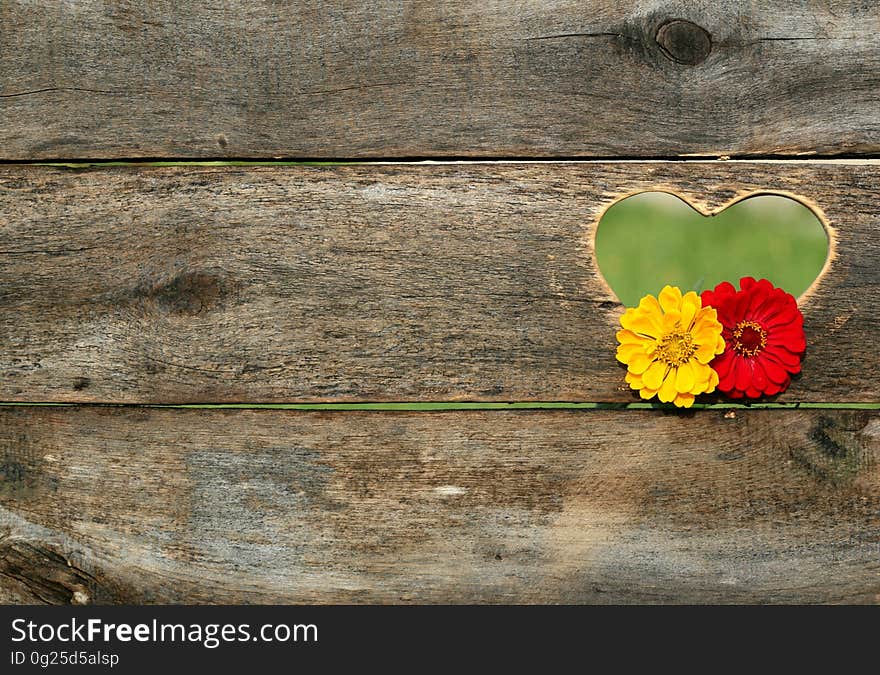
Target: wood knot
684	42
189	293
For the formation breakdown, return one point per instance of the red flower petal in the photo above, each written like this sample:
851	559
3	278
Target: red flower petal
793	340
783	356
738	307
759	376
724	289
746	283
774	358
743	374
723	365
775	371
728	322
759	294
772	389
779	311
794	348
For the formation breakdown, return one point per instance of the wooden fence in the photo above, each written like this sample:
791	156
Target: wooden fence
131	290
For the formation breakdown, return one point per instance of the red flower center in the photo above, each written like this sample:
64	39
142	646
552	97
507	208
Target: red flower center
749	338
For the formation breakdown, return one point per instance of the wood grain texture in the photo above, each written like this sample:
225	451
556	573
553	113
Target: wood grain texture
373	282
379	78
195	506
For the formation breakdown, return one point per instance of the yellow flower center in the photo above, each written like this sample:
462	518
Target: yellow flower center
675	349
749	338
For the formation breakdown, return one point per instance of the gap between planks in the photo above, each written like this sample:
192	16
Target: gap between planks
89	163
452	406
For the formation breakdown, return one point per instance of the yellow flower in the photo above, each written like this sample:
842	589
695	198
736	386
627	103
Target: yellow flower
667	345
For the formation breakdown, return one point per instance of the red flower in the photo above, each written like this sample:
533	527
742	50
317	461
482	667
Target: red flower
763	337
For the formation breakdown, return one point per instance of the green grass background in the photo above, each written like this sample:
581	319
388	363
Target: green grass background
652	239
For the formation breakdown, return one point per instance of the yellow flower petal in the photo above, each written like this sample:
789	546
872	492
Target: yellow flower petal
646	393
672	321
627	337
705	335
640	322
708	312
690	305
702	375
713	382
649	305
684	400
667	389
639	363
653	376
707	317
634	381
705	352
625	353
670	299
685	378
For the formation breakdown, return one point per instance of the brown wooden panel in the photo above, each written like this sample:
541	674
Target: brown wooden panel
210	506
375	78
373	282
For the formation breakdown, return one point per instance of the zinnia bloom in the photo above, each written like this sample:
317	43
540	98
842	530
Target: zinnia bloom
667	344
764	333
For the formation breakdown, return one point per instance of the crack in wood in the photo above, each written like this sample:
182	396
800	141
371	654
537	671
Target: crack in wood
561	36
355	88
49	576
54	89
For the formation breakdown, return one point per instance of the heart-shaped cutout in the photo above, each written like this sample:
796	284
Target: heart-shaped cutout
651	239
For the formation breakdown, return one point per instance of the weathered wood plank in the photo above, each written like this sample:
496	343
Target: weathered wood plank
373	282
376	78
212	506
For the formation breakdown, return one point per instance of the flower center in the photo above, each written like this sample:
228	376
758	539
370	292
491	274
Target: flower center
675	349
749	338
